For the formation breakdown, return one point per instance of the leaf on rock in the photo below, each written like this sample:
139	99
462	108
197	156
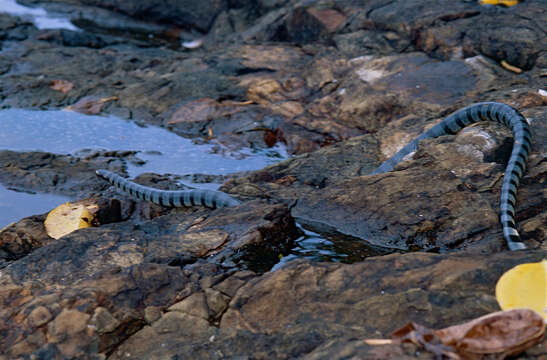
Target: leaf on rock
90	105
524	286
63	86
499	2
510	67
500	334
69	217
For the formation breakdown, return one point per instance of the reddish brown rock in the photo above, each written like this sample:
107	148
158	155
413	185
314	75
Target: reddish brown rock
88	291
327	311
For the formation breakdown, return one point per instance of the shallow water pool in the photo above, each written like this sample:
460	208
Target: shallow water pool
67	132
15	205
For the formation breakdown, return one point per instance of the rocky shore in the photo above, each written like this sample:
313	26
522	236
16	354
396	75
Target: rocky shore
343	85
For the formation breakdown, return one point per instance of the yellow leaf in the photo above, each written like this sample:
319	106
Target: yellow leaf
524	286
510	67
499	2
66	218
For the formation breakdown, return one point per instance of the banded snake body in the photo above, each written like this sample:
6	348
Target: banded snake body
177	198
485	111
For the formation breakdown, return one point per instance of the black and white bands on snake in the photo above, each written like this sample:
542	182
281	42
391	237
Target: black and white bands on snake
209	198
486	111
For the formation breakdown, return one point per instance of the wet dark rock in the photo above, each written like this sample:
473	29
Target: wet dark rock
73	38
19	239
366	42
112	23
310	25
443	30
14	29
316	94
60	174
112	72
208	117
499	38
430	203
95	284
185	13
180	238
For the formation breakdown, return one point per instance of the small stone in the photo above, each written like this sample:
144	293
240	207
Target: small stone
104	321
39	316
151	314
217	302
66	324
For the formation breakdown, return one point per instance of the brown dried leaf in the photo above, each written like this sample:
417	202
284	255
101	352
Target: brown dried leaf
504	332
425	337
63	86
271	137
331	19
286	180
91	105
499	334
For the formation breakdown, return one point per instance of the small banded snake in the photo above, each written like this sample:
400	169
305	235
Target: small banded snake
486	111
178	198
